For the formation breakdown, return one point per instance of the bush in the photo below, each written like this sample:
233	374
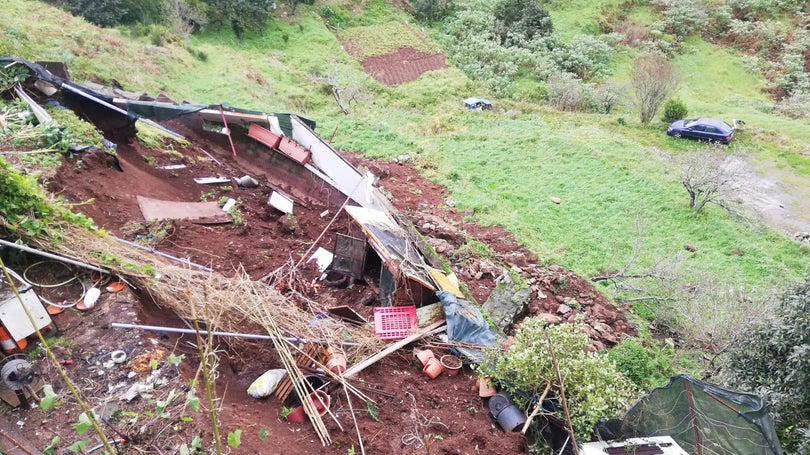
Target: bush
646	367
674	109
795	106
585	55
518	20
772	358
683	17
594	388
432	10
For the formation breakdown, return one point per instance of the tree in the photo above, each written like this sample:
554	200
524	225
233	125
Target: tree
653	78
104	13
243	16
709	176
521	20
294	3
772	358
432	10
184	17
108	13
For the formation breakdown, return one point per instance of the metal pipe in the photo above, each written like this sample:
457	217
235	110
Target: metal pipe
53	256
155	328
167	256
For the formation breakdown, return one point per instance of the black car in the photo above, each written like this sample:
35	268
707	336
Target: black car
708	129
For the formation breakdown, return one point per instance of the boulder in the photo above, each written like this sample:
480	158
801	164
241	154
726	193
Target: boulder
507	302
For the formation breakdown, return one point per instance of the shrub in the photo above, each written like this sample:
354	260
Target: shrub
647	367
565	92
674	109
432	10
795	106
653	78
594	388
517	20
585	55
683	17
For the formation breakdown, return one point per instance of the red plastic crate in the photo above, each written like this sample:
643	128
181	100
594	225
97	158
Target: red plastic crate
394	323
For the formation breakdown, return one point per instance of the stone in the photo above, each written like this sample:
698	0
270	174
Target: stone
690	247
555	200
549	318
507	302
564	309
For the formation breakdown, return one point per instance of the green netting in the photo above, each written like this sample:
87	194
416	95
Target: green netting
704	419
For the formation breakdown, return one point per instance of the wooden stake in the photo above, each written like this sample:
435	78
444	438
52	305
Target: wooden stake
562	395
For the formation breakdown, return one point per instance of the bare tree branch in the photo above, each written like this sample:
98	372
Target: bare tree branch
653	78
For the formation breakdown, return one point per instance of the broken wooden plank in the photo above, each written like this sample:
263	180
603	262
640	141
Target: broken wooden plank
429	313
356	368
304	359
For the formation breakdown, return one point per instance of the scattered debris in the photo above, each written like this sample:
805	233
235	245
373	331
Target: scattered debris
211	180
281	202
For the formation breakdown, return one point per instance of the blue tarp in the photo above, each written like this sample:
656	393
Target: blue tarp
465	323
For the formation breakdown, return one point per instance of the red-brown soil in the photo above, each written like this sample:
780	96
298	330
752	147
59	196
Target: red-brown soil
414	414
402	65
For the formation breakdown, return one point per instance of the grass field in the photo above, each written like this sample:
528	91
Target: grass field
504	165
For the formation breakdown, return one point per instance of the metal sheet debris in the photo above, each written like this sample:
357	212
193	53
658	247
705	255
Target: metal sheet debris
322	257
198	212
281	202
211	180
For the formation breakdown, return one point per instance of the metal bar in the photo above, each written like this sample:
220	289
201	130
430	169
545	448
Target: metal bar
155	328
167	256
28	249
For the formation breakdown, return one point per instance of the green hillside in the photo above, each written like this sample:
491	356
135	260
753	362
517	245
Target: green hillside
617	188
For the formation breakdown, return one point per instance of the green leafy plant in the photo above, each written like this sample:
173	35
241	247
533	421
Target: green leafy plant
674	109
50	449
594	387
372	410
647	367
284	412
193	448
50	399
235	438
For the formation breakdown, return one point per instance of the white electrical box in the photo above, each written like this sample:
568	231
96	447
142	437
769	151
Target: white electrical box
648	445
12	311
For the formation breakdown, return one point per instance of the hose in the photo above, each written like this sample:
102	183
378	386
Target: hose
40	285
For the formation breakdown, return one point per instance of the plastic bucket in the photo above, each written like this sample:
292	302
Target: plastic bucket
511	418
499	402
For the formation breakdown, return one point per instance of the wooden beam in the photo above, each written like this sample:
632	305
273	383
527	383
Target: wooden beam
358	367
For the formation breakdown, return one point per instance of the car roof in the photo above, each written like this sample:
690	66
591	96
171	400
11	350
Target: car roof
711	121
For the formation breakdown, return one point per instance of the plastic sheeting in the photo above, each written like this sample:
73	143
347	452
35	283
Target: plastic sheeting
465	323
704	418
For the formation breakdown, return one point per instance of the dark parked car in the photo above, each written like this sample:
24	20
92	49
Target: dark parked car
708	129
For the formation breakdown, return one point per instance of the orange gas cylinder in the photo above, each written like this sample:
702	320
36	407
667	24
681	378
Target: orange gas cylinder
8	345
